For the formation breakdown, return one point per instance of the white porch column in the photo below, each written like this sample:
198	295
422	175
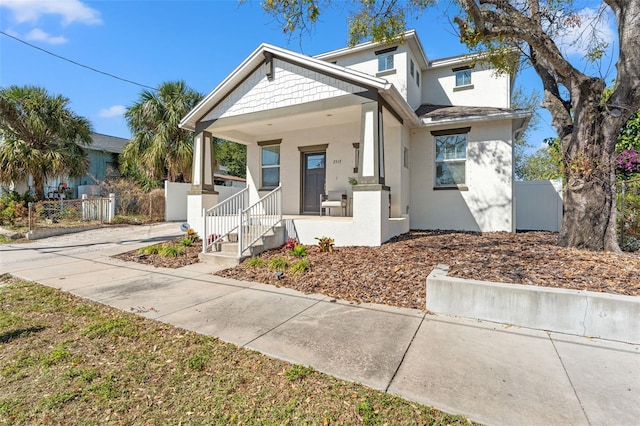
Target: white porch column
371	167
202	195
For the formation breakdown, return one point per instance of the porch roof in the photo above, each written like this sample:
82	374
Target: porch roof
431	115
388	91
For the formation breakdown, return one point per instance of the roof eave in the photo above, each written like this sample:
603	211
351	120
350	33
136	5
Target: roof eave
477	118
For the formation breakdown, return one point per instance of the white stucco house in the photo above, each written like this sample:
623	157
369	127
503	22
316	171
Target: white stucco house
428	141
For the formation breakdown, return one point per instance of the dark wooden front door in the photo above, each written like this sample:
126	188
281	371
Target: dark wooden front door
313	179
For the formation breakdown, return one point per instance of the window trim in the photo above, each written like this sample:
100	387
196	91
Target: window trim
450	132
386	57
458	72
263	145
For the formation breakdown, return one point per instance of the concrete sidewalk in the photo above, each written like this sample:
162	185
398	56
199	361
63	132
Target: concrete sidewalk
491	373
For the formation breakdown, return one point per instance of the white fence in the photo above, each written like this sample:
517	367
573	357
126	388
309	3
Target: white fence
175	199
539	205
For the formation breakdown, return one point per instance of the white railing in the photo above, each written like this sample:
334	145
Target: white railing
222	219
258	219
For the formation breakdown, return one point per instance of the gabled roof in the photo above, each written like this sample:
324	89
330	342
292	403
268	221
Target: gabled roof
257	59
410	37
107	143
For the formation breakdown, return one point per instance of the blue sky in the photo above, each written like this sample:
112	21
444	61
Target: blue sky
150	42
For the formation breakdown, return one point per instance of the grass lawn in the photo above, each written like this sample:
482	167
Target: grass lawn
65	360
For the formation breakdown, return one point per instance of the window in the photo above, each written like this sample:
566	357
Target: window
385	62
405	158
270	166
411	67
356	160
463	77
451	155
418	78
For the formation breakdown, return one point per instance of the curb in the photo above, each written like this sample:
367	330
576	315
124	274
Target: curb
578	312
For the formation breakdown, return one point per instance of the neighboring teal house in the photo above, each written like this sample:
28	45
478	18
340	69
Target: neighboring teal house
103	163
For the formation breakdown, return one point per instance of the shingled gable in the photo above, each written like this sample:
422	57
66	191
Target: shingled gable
358	83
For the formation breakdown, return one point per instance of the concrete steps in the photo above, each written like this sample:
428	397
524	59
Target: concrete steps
227	255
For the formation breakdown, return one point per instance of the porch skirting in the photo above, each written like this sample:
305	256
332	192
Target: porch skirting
344	230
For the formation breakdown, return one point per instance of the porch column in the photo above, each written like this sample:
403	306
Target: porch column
202	195
371	167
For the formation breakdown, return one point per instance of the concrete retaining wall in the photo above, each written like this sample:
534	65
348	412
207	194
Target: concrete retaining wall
39	233
583	313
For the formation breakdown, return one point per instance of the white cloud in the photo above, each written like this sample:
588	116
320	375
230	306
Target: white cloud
69	10
575	40
38	35
112	111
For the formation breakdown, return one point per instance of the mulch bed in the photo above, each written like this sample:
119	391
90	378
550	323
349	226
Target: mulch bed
395	273
189	257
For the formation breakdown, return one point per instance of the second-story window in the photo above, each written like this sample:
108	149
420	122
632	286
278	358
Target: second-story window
411	67
385	62
463	77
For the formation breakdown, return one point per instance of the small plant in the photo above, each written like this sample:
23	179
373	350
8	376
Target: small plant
301	266
290	244
325	244
278	263
256	262
353	181
192	234
298	250
186	241
197	362
170	250
298	372
149	250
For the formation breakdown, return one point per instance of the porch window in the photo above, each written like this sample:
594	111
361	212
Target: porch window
270	166
451	157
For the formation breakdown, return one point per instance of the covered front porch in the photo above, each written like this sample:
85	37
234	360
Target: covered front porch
310	129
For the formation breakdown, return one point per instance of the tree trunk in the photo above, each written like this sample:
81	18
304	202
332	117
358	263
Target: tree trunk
589	220
38	186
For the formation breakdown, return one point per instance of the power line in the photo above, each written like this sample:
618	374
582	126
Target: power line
78	64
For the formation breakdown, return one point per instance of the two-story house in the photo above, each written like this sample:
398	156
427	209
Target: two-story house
412	143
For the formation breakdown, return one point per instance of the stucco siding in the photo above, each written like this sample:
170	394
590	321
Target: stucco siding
488	89
487	204
292	85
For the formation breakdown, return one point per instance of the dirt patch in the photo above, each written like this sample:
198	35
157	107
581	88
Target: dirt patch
395	273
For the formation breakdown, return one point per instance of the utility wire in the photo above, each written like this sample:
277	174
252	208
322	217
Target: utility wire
78	64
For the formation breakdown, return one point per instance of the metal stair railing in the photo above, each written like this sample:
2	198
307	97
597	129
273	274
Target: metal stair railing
258	219
222	219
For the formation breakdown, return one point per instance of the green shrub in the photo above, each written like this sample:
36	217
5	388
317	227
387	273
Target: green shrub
278	263
170	250
255	262
301	266
186	241
298	250
149	250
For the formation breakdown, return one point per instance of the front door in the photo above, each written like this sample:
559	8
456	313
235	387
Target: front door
313	178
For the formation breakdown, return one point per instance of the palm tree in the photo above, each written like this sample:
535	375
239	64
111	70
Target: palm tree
40	136
158	146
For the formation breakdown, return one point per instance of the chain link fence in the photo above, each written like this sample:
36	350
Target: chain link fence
71	213
629	214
